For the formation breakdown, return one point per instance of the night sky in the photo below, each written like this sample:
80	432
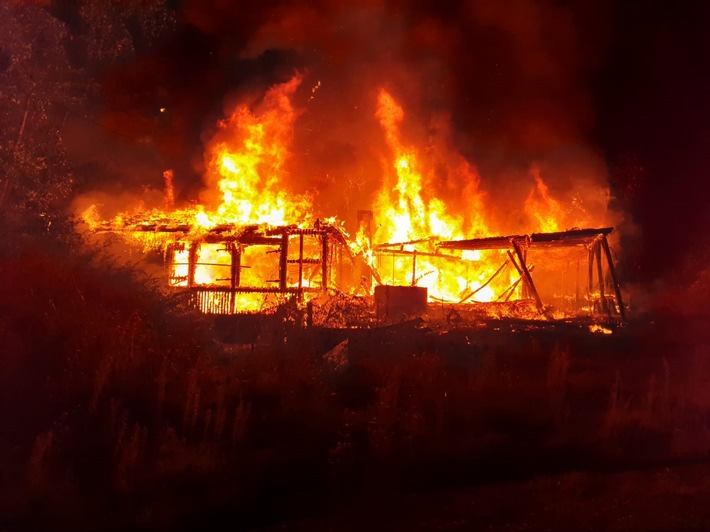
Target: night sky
623	85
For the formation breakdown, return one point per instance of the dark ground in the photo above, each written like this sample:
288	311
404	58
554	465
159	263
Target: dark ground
119	416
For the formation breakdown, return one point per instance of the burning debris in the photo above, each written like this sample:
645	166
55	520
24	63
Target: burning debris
231	269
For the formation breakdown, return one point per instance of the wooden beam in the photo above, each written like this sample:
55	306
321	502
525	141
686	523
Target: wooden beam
324	263
235	274
300	265
414	268
283	262
612	271
191	264
600	275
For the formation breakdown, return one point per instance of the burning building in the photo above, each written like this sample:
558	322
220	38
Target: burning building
253	245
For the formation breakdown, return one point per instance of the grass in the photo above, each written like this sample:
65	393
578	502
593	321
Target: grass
122	411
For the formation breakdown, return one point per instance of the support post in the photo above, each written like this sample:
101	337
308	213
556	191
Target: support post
590	273
300	267
235	275
600	275
612	272
324	262
192	264
414	268
283	262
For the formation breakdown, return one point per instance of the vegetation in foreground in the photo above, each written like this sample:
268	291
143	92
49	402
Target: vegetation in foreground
124	410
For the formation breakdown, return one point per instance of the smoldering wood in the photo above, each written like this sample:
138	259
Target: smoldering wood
573	237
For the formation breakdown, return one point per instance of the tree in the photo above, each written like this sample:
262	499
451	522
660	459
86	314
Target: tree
51	56
35	81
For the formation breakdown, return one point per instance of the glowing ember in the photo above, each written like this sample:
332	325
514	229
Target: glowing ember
599	329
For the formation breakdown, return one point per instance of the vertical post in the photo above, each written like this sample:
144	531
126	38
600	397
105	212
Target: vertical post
324	261
300	266
414	268
612	272
235	275
600	276
192	264
283	262
590	273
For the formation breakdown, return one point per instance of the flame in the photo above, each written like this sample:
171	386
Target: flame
409	212
599	329
541	207
246	160
246	175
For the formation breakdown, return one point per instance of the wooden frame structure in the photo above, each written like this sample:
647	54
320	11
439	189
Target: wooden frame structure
321	245
595	240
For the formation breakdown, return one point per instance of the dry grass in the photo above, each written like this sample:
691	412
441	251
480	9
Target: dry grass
126	399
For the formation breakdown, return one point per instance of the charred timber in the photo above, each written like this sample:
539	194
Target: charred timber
573	237
252	289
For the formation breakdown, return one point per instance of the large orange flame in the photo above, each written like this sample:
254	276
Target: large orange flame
246	159
409	211
246	163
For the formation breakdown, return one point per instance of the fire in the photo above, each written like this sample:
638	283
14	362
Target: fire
246	165
599	329
403	214
246	160
410	213
541	207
